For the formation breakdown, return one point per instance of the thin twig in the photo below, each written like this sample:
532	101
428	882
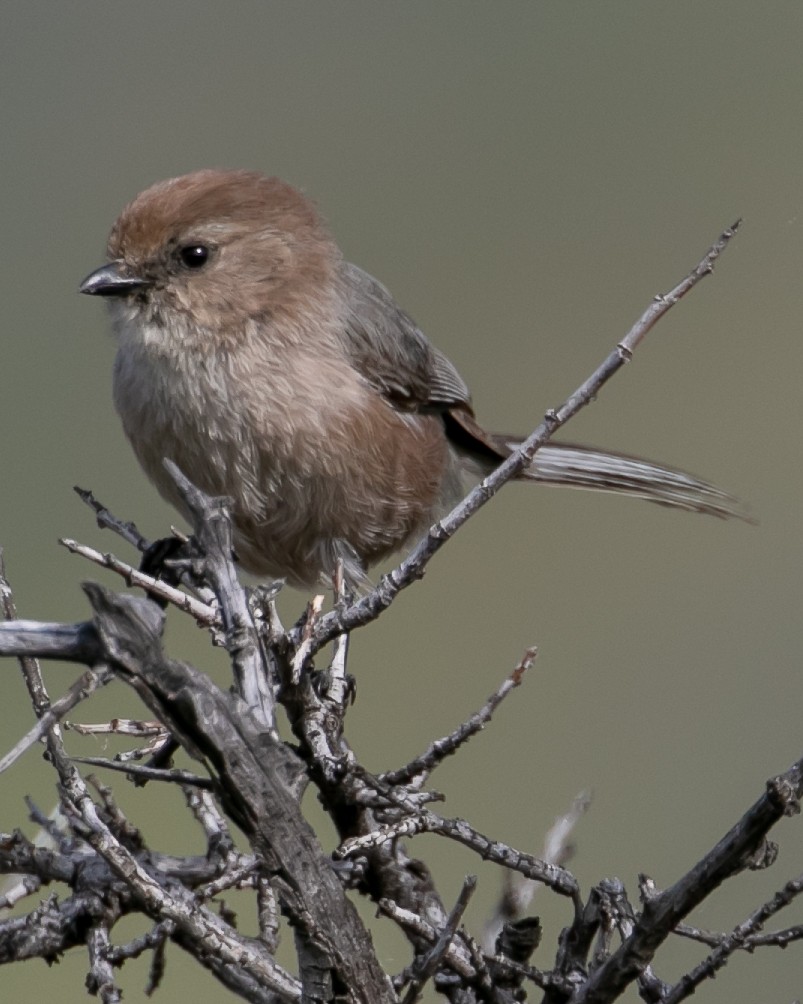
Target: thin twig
172	776
117	727
203	613
558	879
118	954
427	966
108	521
305	648
772	939
91	681
438	750
737	939
455	955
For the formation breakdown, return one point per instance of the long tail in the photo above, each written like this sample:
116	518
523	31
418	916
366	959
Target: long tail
603	471
595	470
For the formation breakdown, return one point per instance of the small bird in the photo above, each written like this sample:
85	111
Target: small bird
272	371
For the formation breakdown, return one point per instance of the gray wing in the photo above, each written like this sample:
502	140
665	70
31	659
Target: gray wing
387	349
390	352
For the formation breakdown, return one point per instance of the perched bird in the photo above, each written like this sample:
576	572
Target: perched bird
274	372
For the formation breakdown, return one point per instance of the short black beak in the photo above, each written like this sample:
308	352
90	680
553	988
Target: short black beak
114	279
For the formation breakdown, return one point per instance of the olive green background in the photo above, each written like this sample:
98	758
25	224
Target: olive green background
524	177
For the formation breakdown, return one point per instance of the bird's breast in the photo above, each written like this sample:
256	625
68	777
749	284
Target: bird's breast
309	453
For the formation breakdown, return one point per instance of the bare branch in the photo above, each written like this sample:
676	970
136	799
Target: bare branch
558	879
739	938
662	913
172	776
455	956
79	691
253	769
40	640
203	613
107	520
428	964
100	980
448	745
214	535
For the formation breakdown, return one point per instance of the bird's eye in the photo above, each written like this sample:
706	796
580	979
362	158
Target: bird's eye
194	255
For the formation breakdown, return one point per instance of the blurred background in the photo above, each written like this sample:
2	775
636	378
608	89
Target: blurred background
524	178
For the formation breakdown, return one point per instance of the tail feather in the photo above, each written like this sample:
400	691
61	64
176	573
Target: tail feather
603	471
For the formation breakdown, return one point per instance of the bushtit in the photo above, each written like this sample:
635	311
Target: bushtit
274	372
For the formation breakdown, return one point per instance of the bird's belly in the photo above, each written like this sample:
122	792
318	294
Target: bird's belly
357	484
